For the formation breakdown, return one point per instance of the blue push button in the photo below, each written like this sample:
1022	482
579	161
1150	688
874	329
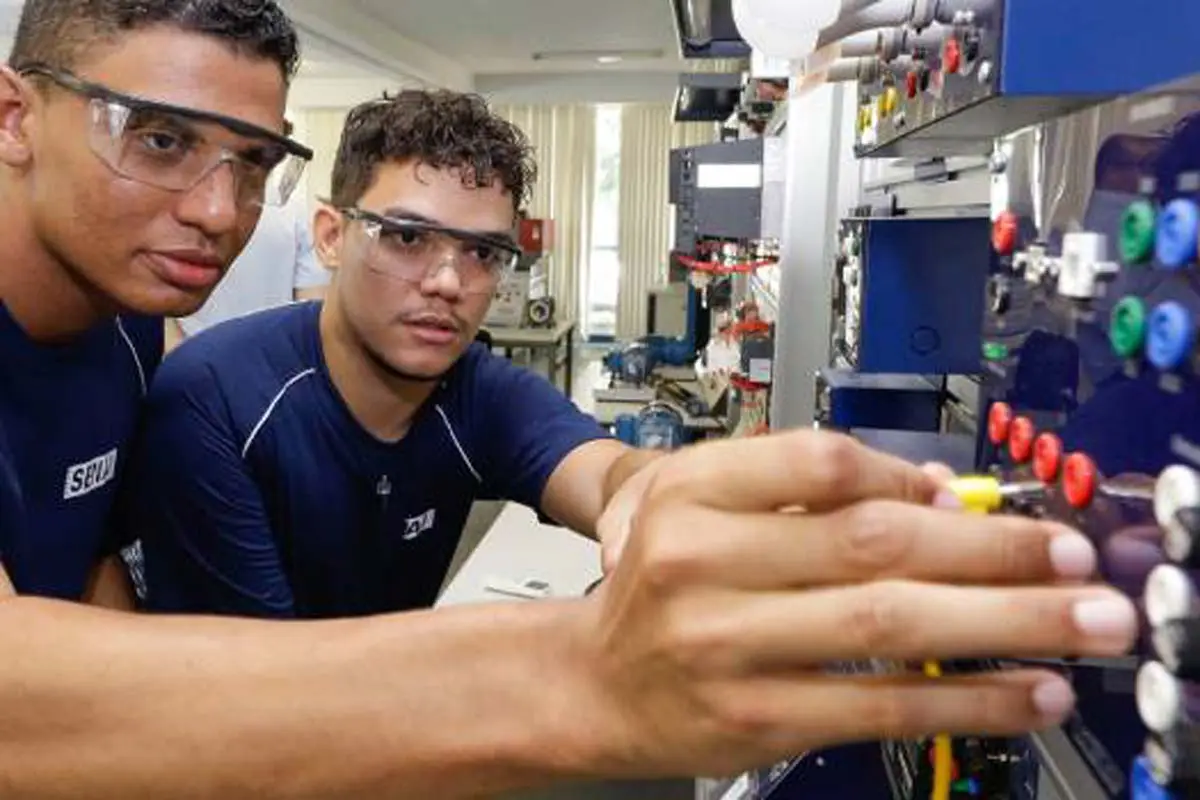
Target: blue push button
1170	335
1178	233
1142	785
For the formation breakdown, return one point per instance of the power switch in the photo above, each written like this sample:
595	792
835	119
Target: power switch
1084	264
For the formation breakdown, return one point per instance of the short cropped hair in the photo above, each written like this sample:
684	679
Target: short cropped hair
441	129
59	33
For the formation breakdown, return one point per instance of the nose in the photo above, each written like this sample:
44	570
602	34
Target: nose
212	204
443	277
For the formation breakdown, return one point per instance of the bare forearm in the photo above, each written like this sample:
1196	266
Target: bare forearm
456	703
624	468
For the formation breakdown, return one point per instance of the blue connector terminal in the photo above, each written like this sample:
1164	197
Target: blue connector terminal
1178	234
1170	336
1142	785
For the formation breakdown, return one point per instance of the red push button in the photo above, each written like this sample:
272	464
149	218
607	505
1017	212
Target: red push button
1020	439
1004	233
1079	480
912	84
1000	418
952	57
1047	457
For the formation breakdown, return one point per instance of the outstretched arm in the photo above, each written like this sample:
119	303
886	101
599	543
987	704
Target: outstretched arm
106	705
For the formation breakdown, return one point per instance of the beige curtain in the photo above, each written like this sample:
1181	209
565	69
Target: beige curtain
648	134
564	142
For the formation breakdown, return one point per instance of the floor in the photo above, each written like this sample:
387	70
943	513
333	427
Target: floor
587	373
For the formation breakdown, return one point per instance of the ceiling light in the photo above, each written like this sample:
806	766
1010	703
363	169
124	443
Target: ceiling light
601	56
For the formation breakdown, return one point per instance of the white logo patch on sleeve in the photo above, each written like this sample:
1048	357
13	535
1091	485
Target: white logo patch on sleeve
90	475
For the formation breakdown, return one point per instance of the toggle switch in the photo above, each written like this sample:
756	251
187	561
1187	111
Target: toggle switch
1136	242
1047	457
1127	326
1163	701
1178	231
1170	335
1177	511
1020	439
1000	417
1177	645
1169	595
1079	480
1084	264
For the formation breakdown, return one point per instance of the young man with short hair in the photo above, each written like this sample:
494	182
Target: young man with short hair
136	139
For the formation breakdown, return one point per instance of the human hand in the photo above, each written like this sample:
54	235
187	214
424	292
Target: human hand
706	646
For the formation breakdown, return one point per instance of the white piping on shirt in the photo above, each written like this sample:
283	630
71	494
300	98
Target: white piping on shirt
271	408
457	444
137	360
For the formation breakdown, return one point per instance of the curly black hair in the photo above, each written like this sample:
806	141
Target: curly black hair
60	32
442	129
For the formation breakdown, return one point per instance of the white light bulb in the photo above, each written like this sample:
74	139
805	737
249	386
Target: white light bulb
783	28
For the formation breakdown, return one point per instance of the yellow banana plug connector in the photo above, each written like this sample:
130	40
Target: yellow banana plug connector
978	494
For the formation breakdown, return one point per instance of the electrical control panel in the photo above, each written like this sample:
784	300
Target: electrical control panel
717	191
1092	388
965	71
908	294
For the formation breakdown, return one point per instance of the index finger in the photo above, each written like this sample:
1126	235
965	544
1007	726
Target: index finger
813	470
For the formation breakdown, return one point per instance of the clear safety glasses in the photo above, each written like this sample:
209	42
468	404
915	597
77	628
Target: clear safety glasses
411	250
175	148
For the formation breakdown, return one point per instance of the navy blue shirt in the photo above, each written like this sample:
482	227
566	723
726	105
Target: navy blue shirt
256	492
67	413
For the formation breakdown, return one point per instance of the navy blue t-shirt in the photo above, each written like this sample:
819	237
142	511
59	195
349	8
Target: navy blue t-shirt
255	491
67	413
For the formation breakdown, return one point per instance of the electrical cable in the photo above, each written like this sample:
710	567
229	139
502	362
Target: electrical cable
943	753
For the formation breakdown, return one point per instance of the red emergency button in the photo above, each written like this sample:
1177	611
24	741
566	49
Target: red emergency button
912	84
1000	417
1047	457
1004	233
1020	439
1079	480
952	56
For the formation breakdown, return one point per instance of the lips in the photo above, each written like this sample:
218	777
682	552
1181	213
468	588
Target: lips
187	269
434	329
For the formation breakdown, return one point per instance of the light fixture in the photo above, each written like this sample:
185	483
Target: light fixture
600	56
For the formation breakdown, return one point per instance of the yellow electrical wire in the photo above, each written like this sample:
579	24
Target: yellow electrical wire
943	755
979	495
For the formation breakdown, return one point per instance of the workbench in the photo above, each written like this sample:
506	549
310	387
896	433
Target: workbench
559	340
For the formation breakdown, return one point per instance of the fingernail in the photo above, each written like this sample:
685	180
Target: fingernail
1053	699
947	499
1072	556
1105	617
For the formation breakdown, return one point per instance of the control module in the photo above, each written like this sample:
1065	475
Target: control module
1092	389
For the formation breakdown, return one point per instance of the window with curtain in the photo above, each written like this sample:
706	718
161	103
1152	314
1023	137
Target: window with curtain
603	264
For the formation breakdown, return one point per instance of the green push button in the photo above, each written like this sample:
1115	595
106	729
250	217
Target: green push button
995	351
1127	328
1137	233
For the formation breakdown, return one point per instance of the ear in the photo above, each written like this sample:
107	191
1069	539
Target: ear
328	236
17	123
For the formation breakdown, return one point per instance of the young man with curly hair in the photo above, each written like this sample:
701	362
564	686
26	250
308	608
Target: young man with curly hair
321	460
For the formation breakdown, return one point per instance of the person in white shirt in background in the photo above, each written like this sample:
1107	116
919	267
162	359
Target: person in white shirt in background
278	266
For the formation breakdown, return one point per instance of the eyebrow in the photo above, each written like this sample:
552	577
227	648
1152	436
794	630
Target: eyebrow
399	212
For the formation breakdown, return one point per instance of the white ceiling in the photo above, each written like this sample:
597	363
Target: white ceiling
501	36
